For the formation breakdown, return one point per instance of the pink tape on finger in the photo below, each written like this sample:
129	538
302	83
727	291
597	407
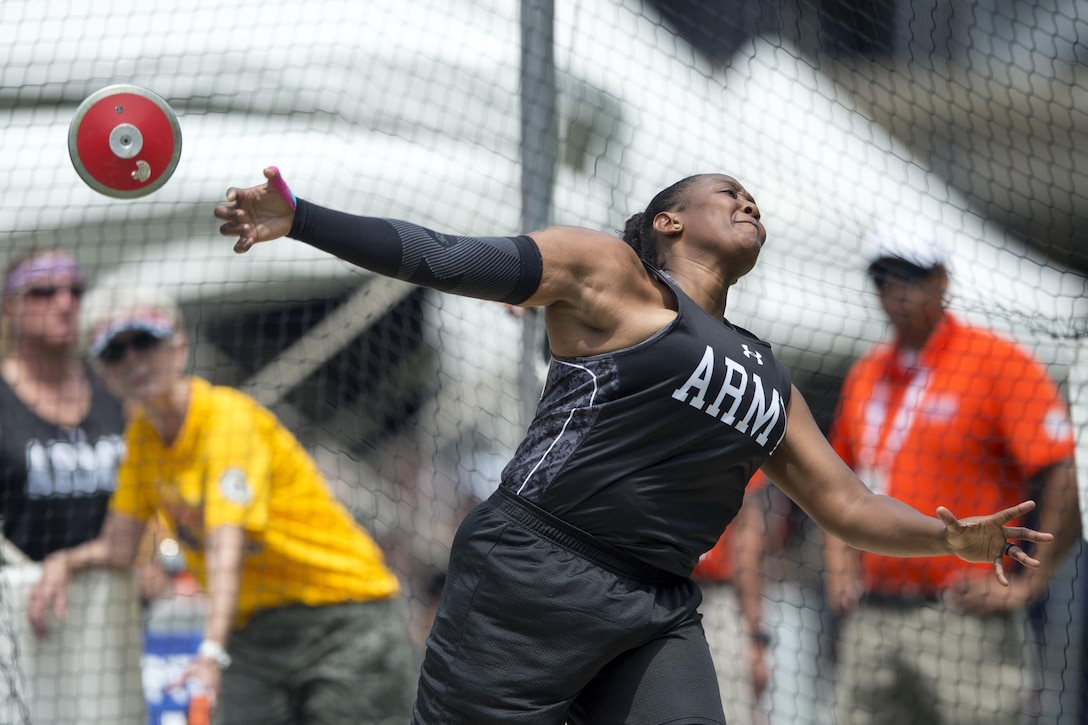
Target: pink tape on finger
282	189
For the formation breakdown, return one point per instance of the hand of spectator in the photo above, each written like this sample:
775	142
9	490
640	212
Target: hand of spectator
759	670
153	581
984	538
258	213
843	590
843	584
207	676
984	596
50	594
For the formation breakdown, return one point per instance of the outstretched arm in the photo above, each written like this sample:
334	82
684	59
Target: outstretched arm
223	556
806	468
598	294
503	269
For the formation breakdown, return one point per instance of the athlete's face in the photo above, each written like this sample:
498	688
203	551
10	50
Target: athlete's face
720	213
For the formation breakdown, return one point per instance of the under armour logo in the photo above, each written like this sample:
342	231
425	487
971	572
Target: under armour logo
753	353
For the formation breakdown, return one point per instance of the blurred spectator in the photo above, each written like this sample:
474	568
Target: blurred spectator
60	445
738	638
303	622
764	616
441	493
782	547
944	414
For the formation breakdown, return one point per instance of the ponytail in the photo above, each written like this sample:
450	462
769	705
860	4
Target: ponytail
636	236
638	231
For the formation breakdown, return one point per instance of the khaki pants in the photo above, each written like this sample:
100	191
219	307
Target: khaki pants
923	664
345	663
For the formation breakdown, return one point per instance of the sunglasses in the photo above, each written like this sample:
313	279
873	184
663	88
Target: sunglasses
117	349
48	292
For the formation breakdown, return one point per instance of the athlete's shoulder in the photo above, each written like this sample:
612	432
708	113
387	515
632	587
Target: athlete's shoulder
747	334
583	242
571	233
750	338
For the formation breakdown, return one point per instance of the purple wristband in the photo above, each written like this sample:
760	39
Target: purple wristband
277	183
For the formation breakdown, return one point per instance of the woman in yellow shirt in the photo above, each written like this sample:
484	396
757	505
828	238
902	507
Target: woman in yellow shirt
302	622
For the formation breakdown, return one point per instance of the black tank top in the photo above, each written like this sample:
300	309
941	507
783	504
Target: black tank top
55	482
650	448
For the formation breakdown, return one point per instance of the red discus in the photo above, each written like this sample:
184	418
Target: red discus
124	141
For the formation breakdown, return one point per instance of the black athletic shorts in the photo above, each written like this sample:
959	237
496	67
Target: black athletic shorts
541	623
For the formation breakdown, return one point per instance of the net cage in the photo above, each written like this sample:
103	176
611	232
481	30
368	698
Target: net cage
492	117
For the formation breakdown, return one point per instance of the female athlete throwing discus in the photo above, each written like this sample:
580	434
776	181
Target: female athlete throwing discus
569	596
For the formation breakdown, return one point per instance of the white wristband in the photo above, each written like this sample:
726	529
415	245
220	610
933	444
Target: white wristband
215	652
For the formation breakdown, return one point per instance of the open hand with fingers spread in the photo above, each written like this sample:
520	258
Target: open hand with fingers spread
258	213
986	538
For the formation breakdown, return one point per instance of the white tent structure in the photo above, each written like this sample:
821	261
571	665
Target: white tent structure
417	126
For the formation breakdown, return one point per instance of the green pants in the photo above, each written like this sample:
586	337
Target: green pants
296	665
907	663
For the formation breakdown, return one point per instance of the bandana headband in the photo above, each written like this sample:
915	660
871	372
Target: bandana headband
43	266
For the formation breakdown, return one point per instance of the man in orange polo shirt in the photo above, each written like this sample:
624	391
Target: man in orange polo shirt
944	413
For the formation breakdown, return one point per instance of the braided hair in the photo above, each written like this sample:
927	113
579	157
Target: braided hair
638	231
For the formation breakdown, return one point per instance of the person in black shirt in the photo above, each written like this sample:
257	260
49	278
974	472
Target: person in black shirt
568	597
60	431
60	446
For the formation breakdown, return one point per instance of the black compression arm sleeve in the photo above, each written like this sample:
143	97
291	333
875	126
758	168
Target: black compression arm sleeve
504	269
